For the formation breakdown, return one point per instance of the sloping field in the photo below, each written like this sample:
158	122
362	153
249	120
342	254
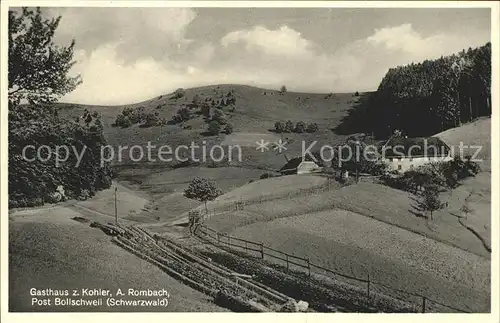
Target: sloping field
49	250
477	133
270	188
475	196
256	111
129	202
249	139
369	199
165	187
355	244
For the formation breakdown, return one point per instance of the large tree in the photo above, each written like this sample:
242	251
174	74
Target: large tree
202	190
39	76
38	68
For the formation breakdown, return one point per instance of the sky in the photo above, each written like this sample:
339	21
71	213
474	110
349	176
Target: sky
128	55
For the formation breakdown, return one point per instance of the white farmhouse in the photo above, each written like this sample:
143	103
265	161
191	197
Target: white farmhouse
402	154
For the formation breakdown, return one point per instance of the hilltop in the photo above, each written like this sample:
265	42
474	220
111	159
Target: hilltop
253	114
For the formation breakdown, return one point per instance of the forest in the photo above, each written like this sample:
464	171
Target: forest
426	98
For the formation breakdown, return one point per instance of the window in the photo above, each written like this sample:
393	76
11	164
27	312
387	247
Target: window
400	167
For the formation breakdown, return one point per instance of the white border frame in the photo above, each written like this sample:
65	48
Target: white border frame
250	318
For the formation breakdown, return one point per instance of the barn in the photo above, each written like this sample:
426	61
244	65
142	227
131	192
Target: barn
403	154
300	165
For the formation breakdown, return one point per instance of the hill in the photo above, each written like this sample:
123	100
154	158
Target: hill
476	133
252	116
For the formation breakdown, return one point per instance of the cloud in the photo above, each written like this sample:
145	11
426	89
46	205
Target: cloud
283	41
406	40
139	32
144	55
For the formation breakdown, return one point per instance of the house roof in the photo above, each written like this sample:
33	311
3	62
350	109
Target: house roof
295	162
415	147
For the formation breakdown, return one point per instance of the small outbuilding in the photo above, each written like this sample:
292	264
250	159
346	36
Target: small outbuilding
299	165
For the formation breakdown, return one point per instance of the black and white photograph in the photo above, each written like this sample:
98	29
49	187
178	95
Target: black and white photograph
243	157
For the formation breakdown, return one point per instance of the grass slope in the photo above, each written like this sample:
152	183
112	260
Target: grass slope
476	133
49	250
256	111
355	245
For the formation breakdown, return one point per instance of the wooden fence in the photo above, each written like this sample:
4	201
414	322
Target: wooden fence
239	205
259	250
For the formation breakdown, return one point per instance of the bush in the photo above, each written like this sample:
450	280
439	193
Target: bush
84	195
289	126
312	127
152	119
356	94
179	93
219	116
130	116
228	129
279	126
300	127
183	114
213	128
283	89
205	110
457	170
123	122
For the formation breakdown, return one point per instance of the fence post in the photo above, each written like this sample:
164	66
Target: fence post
308	267
286	257
368	289
246	247
218	237
423	304
262	250
228	240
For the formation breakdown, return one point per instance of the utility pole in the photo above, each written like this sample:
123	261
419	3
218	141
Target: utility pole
116	207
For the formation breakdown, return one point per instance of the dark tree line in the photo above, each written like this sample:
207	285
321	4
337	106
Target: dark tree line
425	98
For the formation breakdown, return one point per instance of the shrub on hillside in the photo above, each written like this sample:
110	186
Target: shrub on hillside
130	116
457	170
312	127
283	90
289	126
205	110
153	119
183	114
122	121
220	117
228	129
300	127
195	103
213	128
179	93
279	126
